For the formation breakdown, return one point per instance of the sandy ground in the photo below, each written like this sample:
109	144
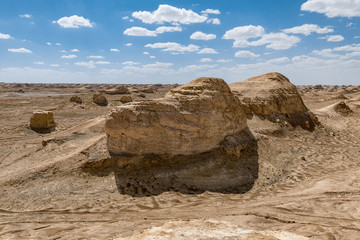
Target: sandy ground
308	185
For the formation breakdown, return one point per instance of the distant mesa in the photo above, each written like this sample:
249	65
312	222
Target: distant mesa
274	97
42	121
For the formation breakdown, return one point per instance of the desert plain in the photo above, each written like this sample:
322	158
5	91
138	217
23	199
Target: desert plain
305	178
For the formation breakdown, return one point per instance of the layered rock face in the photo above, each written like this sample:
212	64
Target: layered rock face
42	121
194	139
274	97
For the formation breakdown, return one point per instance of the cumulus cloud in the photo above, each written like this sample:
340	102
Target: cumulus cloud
333	8
25	15
244	32
114	50
102	62
215	21
58	44
202	36
96	57
307	29
276	41
174	47
48	43
144	32
130	63
211	11
5	36
128	44
206	60
140	32
75	50
146	53
246	54
224	60
69	56
167	13
335	38
39	63
90	64
74	21
19	50
207	51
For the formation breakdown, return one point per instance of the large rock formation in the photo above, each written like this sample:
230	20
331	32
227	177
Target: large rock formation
42	121
275	98
194	139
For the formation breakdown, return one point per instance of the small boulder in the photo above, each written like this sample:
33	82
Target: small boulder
42	121
343	109
126	99
76	99
100	99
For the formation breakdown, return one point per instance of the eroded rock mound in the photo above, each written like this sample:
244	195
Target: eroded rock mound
343	109
194	139
117	90
126	99
42	121
76	99
275	98
100	99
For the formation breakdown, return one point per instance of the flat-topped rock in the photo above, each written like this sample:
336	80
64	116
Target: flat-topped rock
42	121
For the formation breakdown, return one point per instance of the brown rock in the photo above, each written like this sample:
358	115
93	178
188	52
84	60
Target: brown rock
273	96
148	90
126	99
76	99
343	109
100	99
194	139
42	121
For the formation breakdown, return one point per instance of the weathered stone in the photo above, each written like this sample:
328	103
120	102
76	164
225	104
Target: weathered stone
100	99
126	99
117	90
147	90
273	96
76	99
194	139
42	121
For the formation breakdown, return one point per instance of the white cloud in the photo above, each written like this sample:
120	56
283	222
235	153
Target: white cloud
333	8
102	62
96	57
335	38
128	44
307	29
196	68
90	64
167	13
356	37
75	50
279	60
130	63
202	36
114	50
125	18
244	32
207	51
246	54
58	44
63	51
5	36
168	29
174	47
54	65
224	60
349	24
206	60
152	57
144	32
277	41
215	21
140	32
211	11
146	53
19	50
74	21
39	63
25	16
69	56
342	52
48	43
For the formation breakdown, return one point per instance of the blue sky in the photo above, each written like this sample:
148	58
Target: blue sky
142	41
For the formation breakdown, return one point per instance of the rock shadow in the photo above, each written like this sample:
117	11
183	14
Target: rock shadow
231	168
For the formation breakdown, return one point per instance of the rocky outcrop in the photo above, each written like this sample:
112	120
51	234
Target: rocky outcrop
343	109
126	99
117	90
275	98
76	99
100	99
42	121
194	139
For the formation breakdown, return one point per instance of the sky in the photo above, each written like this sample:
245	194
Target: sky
148	41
